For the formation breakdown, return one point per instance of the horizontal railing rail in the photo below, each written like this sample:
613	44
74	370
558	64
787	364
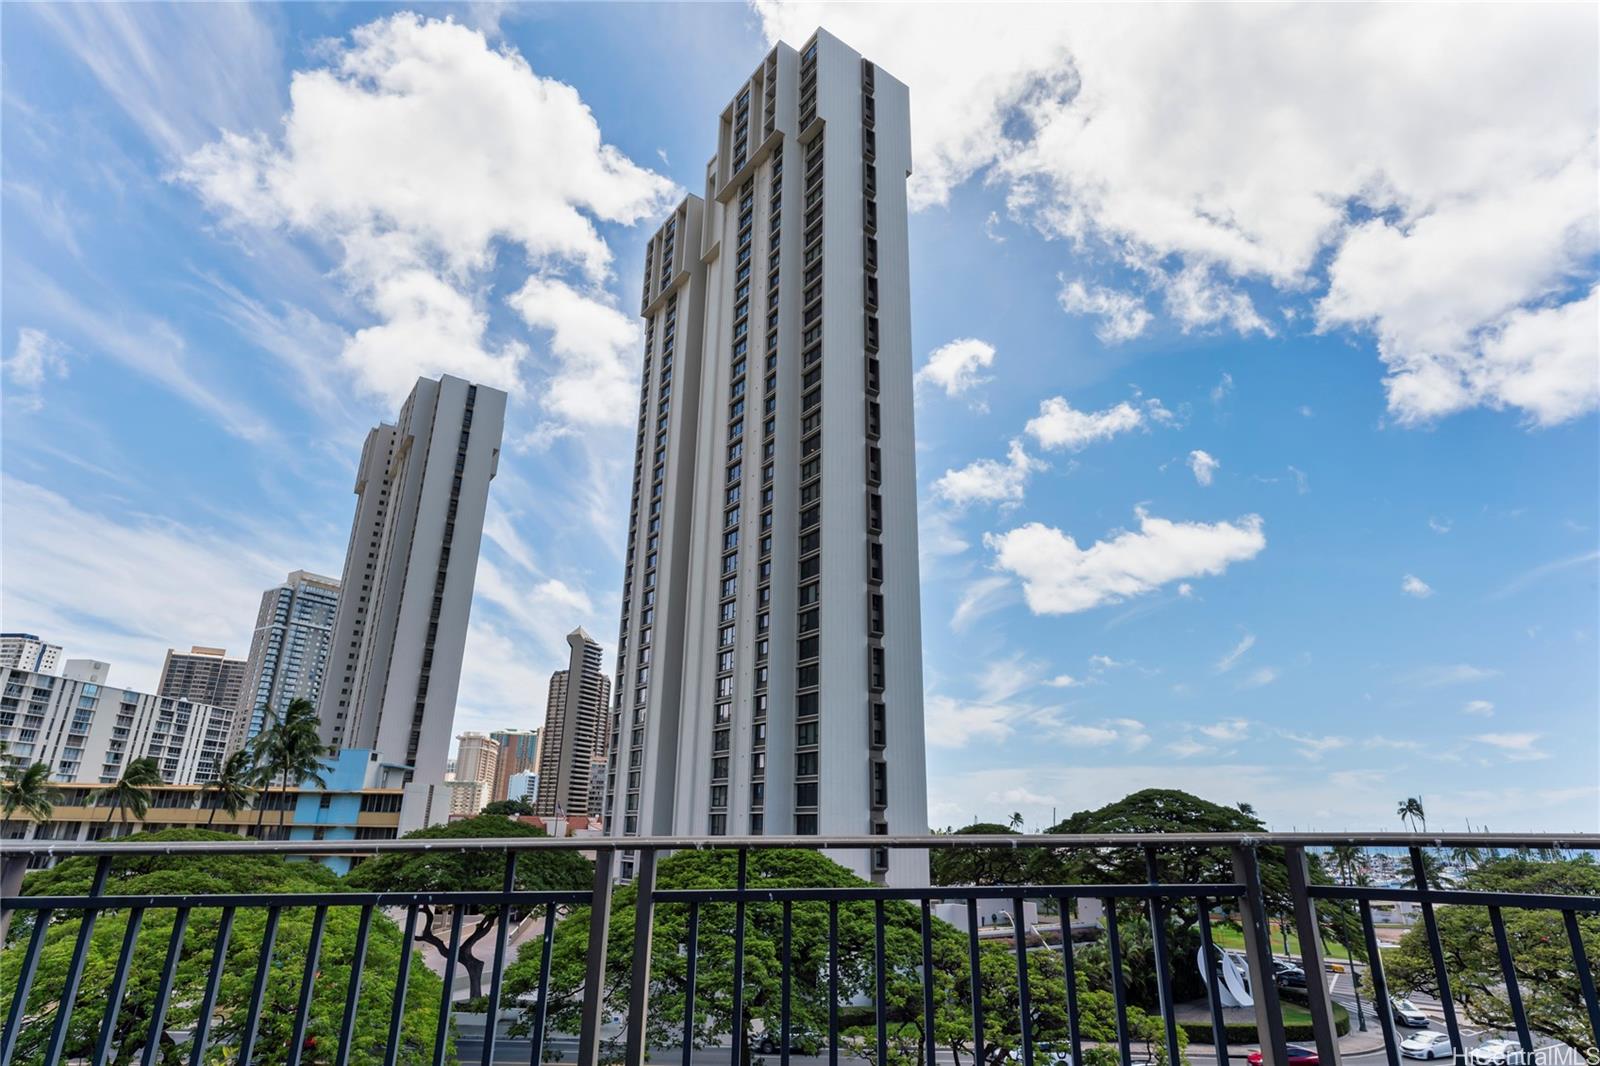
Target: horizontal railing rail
934	841
38	1024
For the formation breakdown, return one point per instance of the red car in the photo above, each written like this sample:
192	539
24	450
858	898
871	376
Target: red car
1298	1056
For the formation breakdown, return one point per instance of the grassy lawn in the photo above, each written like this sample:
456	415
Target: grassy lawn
1229	937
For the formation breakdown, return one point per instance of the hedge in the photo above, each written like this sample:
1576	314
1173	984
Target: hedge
1245	1032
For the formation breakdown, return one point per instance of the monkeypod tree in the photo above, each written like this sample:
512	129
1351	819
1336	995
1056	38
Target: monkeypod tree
448	870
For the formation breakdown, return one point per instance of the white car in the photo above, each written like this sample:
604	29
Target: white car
1428	1045
1498	1053
1406	1013
1044	1055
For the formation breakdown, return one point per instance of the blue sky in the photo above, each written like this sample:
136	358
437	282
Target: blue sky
1257	361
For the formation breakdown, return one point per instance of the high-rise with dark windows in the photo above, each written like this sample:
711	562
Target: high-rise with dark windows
289	650
422	487
574	739
769	674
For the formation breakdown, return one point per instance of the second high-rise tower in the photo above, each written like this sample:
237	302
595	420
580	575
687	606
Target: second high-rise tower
769	672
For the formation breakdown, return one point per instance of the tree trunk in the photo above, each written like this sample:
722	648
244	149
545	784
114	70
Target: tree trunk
470	962
213	819
261	806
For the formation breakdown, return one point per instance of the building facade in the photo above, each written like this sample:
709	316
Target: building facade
361	801
523	786
519	751
88	733
203	675
774	521
406	591
24	651
573	740
289	650
477	765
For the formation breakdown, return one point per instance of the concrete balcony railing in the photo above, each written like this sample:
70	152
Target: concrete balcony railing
880	978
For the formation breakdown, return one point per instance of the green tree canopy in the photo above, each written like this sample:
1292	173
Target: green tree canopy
447	870
808	971
189	874
980	866
510	808
1540	949
1161	810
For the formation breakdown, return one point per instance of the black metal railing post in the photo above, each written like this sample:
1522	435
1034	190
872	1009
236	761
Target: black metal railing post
740	1036
119	984
692	935
208	1000
441	1030
594	978
19	994
163	1000
1024	996
1258	955
975	960
1447	1003
1074	1034
541	1010
69	988
1580	962
644	911
1311	960
352	992
1119	991
308	983
1158	941
1208	952
258	990
1380	986
502	933
402	982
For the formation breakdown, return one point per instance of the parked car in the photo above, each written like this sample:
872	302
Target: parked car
1288	975
801	1042
1406	1013
1044	1054
1498	1053
1427	1045
1298	1056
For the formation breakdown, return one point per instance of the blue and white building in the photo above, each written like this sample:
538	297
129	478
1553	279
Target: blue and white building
289	651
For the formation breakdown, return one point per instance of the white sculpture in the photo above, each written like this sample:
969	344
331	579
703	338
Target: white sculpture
1233	981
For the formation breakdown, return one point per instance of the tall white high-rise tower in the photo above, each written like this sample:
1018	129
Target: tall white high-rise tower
769	675
406	591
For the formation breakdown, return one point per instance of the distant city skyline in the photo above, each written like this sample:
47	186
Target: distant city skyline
1256	446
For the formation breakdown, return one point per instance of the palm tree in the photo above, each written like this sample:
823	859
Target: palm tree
1346	857
29	792
1015	820
288	752
1410	809
233	786
132	792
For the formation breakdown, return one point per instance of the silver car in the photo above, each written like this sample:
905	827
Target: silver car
1406	1013
1428	1045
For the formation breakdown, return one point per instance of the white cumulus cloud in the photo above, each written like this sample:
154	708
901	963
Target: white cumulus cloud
990	480
1123	316
1438	200
1204	466
413	153
1059	577
956	367
1414	586
1058	425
